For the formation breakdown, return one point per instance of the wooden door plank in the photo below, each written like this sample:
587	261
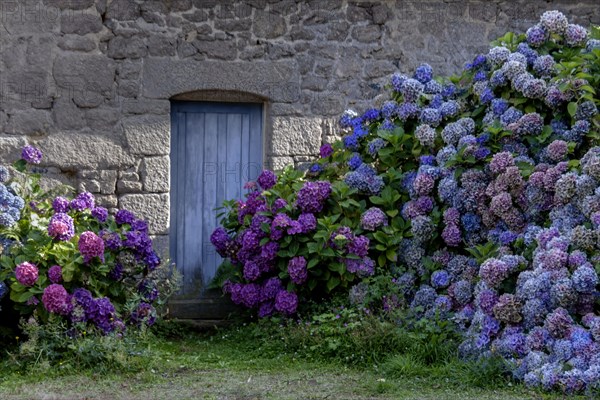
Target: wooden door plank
233	158
192	182
211	185
255	148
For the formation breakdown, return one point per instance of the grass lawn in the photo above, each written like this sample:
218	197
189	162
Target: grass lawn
223	366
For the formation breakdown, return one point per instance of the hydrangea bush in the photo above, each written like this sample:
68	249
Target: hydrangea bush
67	258
479	194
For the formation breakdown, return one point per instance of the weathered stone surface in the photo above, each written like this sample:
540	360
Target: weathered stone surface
102	118
76	151
107	201
108	182
32	122
233	25
10	148
89	186
69	4
144	106
67	115
123	47
154	208
268	25
196	16
367	34
164	78
381	13
301	33
160	45
80	23
123	10
217	49
292	135
315	83
379	69
148	135
326	104
129	176
128	187
155	173
76	43
87	79
278	163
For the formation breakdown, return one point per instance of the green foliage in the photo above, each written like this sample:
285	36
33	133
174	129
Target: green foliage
52	345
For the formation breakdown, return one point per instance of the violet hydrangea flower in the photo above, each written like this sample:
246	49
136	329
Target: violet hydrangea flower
311	198
91	245
26	273
100	213
31	154
267	179
373	218
60	205
55	274
286	302
61	227
124	217
56	299
326	150
297	270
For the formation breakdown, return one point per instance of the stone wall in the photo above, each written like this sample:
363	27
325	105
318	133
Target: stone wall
90	82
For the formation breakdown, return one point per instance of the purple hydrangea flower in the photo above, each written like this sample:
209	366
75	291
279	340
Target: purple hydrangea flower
100	213
61	227
297	270
86	199
424	73
359	246
56	299
440	279
26	273
326	150
311	198
267	179
250	294
55	274
355	161
124	217
536	35
60	205
251	271
286	302
373	218
91	245
365	179
308	222
270	288
585	279
144	313
31	154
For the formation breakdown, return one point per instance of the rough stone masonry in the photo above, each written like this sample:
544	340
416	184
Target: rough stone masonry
90	81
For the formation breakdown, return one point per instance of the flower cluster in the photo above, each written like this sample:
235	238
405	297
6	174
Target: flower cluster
85	250
11	204
499	163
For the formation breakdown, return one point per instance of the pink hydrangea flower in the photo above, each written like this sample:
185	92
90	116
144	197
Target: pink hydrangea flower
56	299
26	273
90	246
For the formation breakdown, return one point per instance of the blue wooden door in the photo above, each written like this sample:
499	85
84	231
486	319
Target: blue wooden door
215	149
